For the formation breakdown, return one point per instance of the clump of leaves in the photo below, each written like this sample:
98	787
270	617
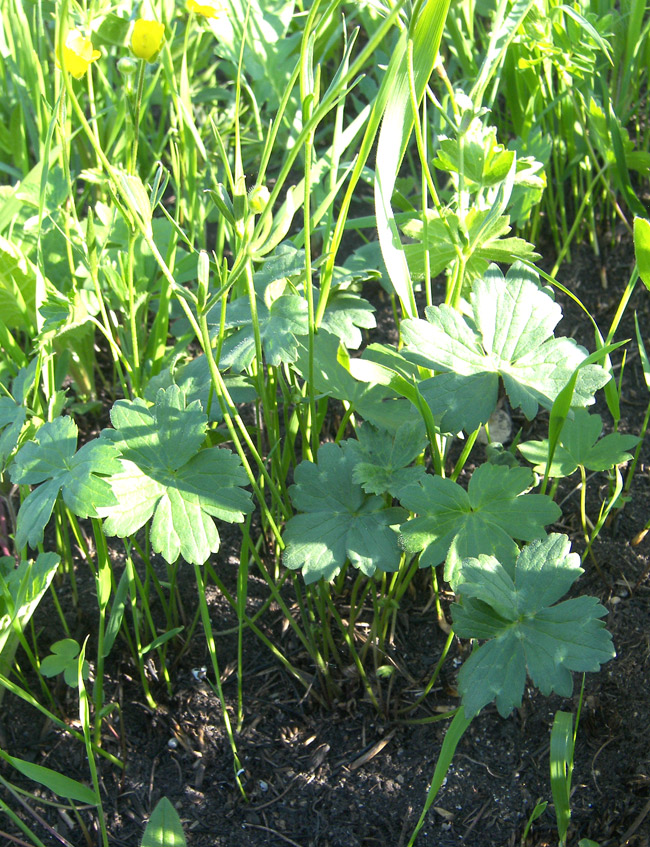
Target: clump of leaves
514	609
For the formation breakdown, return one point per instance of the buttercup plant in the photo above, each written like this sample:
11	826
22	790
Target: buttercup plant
193	377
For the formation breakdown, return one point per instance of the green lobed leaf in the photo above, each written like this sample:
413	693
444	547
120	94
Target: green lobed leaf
528	634
346	314
452	523
383	458
165	474
509	335
339	521
580	445
51	459
280	324
63	659
376	403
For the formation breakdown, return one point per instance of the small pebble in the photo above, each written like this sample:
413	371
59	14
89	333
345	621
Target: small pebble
172	744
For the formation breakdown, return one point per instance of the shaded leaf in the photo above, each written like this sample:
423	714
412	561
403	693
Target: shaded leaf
528	634
452	523
338	521
382	458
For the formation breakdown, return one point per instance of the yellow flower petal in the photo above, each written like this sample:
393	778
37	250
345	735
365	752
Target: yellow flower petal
207	8
78	54
147	39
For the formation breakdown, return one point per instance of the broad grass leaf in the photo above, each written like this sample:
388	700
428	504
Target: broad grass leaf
528	634
164	828
339	522
58	783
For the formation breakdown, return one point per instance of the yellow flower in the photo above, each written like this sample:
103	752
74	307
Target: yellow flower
78	54
207	8
147	39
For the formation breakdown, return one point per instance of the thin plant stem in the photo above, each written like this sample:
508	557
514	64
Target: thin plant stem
212	649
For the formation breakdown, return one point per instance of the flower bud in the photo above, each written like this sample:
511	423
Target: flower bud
147	39
258	198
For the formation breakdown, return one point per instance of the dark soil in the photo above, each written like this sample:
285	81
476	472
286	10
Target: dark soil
344	776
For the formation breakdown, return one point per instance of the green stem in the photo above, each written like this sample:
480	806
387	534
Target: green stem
212	649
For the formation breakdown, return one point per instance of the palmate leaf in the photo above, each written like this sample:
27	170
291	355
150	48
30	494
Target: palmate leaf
164	473
51	463
383	458
280	325
452	523
580	445
339	521
509	336
346	315
479	239
376	403
526	632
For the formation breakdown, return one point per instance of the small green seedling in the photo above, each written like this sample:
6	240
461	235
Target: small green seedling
63	659
164	827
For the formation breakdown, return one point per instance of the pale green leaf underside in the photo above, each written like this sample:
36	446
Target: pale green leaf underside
509	336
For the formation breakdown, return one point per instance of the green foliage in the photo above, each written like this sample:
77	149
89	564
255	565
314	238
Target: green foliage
509	335
52	463
12	418
478	237
164	828
526	630
166	475
338	521
58	783
453	523
64	659
21	590
580	445
383	458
